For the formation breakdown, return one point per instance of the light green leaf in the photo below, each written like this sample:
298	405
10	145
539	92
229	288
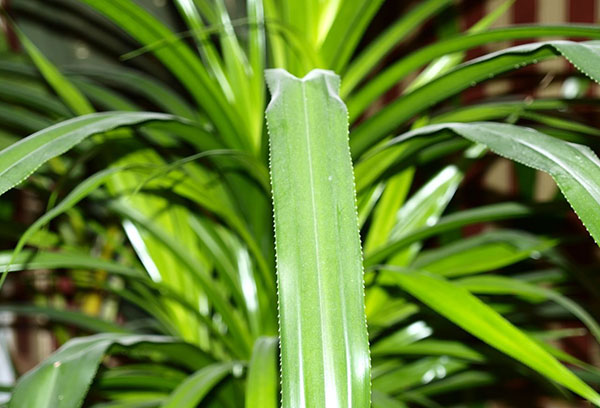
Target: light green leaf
262	389
177	57
394	73
484	252
325	360
586	55
70	317
344	34
465	310
461	381
422	371
385	214
575	168
429	347
494	212
63	379
501	285
31	260
193	390
425	207
67	92
408	335
444	64
21	159
399	31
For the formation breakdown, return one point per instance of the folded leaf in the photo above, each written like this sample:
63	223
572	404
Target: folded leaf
324	357
586	57
574	167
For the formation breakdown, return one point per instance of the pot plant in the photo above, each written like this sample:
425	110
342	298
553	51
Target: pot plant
184	244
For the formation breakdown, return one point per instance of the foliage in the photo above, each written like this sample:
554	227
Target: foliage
185	244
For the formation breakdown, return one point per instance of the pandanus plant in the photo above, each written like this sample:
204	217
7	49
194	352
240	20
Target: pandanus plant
195	249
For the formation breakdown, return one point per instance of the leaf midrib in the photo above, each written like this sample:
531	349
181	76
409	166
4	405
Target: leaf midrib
587	186
316	237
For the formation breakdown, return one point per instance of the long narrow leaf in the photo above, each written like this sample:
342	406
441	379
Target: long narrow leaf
263	380
325	360
29	260
176	56
586	57
62	380
461	307
193	390
21	159
575	168
399	70
68	93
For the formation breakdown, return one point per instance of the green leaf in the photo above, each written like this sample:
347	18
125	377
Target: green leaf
461	381
408	335
325	358
70	317
16	92
385	214
398	32
501	285
394	73
424	208
140	84
465	310
198	275
352	18
422	371
21	119
431	347
63	379
141	377
586	55
21	159
381	400
177	57
32	260
262	389
494	212
193	390
64	89
79	193
575	168
484	252
444	64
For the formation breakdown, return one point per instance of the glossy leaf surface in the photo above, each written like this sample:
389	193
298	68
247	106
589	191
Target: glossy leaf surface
325	358
62	380
574	167
465	310
21	159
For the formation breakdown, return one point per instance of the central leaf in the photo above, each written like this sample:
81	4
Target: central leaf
324	342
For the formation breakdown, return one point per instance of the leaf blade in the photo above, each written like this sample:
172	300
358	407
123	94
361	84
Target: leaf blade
63	379
263	381
21	159
324	342
465	310
575	168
